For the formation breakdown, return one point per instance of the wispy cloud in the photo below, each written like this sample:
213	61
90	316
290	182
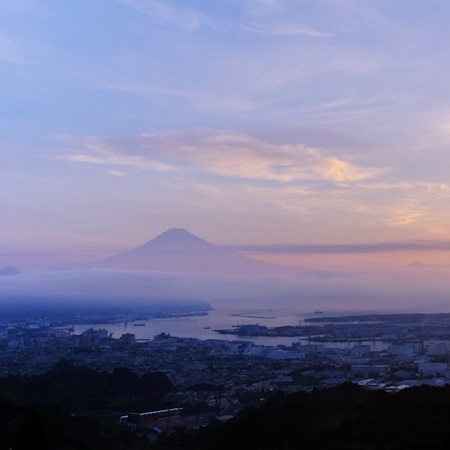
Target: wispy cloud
189	19
115	173
237	155
339	170
162	13
405	219
117	160
9	50
226	154
286	29
24	6
94	150
146	91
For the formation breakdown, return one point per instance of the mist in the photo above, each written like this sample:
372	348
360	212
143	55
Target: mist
331	291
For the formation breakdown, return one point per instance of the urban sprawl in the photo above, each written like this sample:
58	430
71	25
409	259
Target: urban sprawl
218	373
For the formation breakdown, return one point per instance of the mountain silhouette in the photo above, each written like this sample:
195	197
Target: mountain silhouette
181	251
175	240
417	265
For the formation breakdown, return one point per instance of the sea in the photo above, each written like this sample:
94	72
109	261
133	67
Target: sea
223	318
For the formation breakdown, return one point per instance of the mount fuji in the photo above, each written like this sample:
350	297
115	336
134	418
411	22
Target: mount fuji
178	250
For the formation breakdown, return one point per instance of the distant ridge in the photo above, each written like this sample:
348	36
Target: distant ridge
181	251
417	265
7	271
420	265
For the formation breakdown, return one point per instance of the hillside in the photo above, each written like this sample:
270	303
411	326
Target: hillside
342	418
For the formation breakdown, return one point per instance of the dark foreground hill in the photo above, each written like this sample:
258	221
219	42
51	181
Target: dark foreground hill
84	389
74	407
54	412
347	417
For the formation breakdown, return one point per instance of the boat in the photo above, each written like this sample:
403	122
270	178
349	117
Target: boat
318	312
139	324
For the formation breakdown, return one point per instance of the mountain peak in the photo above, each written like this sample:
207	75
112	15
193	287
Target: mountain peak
175	240
179	250
416	264
176	233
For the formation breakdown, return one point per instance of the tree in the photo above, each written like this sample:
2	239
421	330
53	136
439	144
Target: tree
31	434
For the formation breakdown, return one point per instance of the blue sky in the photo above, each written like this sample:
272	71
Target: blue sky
248	122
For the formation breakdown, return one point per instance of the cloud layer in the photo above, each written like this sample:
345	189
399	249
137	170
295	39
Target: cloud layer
331	291
417	246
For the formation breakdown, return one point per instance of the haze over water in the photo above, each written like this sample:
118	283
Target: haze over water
178	267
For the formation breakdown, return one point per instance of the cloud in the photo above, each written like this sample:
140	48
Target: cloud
418	246
94	150
23	6
275	177
339	170
405	219
286	30
147	91
117	160
225	154
306	291
163	14
264	2
115	173
241	156
9	50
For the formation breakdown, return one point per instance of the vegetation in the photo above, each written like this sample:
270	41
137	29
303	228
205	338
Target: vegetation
345	417
74	407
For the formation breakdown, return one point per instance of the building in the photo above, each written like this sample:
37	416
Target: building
127	338
436	349
369	370
406	350
360	350
427	368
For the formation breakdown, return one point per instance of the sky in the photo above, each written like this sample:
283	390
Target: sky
281	123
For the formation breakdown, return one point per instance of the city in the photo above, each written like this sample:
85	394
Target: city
222	374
